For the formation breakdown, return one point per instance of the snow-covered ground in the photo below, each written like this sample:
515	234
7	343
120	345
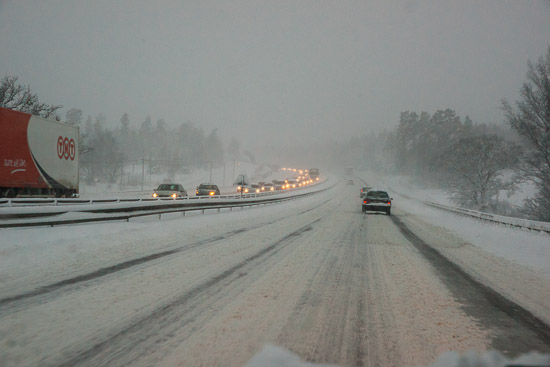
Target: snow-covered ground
256	306
64	252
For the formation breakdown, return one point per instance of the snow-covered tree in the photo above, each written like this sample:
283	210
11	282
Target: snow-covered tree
74	116
20	98
474	170
531	119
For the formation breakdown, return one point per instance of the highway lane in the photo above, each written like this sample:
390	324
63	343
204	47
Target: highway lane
315	276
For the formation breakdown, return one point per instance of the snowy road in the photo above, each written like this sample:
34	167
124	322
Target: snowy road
314	276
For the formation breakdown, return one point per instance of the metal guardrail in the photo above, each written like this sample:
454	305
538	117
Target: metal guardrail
155	207
499	219
23	202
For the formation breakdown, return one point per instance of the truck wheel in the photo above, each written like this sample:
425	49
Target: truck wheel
388	211
363	210
10	193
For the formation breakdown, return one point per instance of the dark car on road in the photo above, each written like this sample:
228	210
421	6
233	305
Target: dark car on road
207	189
172	190
377	201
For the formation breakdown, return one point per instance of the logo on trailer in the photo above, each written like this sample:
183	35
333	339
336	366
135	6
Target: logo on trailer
66	148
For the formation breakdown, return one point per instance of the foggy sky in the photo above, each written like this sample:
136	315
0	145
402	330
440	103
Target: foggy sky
273	72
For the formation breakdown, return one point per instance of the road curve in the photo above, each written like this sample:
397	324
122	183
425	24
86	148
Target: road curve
314	276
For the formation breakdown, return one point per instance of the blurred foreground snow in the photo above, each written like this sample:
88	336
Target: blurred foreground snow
274	356
491	359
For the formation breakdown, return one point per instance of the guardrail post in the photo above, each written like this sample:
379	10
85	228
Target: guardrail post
159	215
183	213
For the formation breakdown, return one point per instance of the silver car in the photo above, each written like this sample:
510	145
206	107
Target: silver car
172	190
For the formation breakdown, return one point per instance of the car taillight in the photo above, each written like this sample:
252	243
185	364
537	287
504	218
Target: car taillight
389	202
364	201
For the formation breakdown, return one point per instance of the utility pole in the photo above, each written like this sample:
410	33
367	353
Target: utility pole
142	173
150	168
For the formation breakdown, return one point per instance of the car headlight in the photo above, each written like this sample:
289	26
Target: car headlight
212	193
155	195
174	195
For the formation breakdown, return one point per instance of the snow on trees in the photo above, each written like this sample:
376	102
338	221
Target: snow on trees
531	119
20	98
474	170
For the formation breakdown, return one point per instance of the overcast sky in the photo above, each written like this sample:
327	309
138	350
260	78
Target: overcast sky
274	70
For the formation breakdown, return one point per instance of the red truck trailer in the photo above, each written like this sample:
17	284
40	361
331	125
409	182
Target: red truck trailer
38	157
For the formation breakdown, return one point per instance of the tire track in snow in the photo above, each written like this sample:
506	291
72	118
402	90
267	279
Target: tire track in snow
485	304
7	304
137	339
328	323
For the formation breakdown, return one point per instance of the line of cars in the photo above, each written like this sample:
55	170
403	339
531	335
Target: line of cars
301	178
275	185
175	190
374	200
298	178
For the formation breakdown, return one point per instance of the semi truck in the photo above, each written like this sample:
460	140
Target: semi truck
38	156
314	173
